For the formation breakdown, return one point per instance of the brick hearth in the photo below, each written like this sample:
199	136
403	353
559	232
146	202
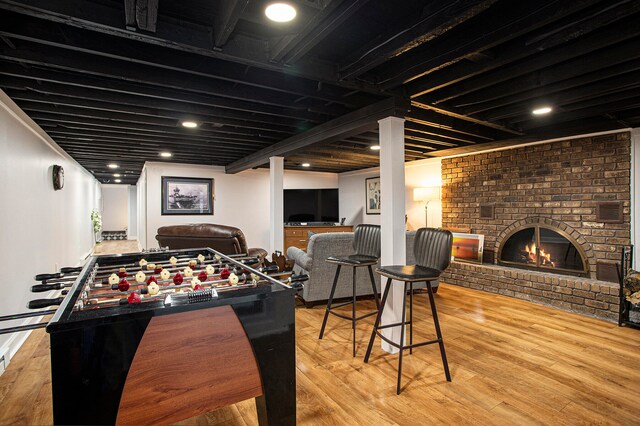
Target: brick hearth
576	294
558	184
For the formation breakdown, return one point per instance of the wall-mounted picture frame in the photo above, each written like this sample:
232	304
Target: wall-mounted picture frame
372	195
187	196
467	247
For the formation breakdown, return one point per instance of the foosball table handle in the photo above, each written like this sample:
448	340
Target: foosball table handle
71	269
40	288
44	277
295	281
43	303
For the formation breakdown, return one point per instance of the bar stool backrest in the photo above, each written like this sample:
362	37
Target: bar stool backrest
432	248
366	240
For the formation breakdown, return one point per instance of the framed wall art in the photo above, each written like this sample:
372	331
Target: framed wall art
372	192
467	247
187	196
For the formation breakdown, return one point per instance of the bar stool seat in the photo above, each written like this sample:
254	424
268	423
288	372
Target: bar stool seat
409	273
366	244
432	250
353	259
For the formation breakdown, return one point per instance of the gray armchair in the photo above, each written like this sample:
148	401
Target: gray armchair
321	273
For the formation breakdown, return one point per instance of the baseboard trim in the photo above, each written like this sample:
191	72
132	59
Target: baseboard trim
16	340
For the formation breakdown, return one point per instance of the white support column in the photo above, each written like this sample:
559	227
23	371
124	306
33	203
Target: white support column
276	205
392	213
635	195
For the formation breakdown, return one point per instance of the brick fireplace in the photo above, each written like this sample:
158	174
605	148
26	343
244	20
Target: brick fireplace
576	190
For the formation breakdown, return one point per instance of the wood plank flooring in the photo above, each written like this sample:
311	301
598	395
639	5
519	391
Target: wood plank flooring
512	362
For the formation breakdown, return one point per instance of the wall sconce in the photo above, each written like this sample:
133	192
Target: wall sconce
426	194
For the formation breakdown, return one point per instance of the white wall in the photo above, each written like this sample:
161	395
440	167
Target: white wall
40	229
241	200
294	179
417	174
115	207
132	220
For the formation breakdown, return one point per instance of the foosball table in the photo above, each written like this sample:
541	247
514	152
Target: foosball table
154	338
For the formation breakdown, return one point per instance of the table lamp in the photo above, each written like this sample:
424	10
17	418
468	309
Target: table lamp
426	194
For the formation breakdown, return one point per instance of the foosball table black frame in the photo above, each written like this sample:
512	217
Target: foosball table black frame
94	355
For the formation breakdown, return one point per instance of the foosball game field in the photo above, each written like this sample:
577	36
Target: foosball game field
154	338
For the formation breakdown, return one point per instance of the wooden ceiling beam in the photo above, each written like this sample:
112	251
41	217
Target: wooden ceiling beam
441	133
582	71
174	113
227	14
559	97
88	133
98	66
463	117
85	41
433	120
289	50
610	104
454	83
151	130
161	123
111	90
130	15
175	34
438	17
588	21
430	141
71	147
350	124
523	17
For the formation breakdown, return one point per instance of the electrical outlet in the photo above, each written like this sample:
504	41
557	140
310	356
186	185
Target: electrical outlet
4	361
55	267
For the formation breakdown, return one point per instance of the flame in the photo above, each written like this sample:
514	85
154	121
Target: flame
545	258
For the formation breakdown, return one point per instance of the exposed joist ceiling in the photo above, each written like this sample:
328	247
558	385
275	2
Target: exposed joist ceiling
111	80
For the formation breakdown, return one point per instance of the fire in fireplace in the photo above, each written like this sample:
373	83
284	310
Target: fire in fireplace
538	246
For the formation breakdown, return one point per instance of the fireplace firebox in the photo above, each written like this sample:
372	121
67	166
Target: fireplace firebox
544	248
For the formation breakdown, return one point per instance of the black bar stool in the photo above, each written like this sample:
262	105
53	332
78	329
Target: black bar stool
366	244
433	255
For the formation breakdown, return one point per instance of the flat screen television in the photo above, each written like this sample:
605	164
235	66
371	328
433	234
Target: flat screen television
311	205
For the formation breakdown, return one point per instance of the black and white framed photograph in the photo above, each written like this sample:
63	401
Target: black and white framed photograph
372	190
182	195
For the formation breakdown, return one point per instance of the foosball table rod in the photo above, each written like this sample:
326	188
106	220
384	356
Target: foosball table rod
61	277
19	328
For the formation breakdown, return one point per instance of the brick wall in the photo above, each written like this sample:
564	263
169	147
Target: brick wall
558	181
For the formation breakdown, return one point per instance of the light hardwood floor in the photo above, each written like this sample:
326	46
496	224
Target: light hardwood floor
512	362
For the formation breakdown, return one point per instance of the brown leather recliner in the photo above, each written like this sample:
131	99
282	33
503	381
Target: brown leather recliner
225	239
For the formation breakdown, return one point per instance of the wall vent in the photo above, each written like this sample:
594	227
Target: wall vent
607	271
487	211
609	211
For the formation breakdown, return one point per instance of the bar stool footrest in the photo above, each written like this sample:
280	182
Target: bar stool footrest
339	305
350	318
398	324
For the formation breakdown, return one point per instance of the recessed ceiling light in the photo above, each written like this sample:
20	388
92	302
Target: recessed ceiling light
112	166
375	147
190	124
118	180
542	110
116	175
280	12
306	165
165	154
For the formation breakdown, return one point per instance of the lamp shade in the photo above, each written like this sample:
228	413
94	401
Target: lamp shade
429	193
